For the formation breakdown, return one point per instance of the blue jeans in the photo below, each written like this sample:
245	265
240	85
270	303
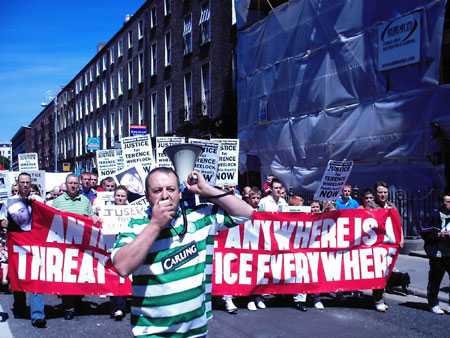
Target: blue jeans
36	306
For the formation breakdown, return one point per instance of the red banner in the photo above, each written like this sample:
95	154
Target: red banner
289	253
63	254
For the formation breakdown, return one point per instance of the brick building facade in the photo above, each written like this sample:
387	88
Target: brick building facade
169	68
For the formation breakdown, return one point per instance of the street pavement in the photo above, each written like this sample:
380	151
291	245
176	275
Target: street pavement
408	316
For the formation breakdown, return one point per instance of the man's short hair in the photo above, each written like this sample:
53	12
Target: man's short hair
71	175
23	173
347	185
381	184
121	187
275	180
295	200
255	190
108	179
164	170
367	192
86	173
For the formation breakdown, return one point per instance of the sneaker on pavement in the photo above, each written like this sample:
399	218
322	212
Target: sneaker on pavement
230	307
260	303
40	323
381	307
118	315
437	310
252	306
319	305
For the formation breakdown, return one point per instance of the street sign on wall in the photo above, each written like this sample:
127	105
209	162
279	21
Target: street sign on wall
93	143
136	129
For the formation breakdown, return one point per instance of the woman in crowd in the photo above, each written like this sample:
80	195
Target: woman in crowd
35	190
119	302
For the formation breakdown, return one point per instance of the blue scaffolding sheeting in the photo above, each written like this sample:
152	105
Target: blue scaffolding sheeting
310	90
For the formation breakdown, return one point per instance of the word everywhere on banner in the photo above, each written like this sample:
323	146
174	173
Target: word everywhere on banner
289	253
333	180
228	168
64	254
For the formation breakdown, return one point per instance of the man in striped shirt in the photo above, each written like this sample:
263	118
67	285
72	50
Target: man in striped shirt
166	253
72	201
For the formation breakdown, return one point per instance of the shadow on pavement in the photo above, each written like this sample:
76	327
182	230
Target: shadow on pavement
416	306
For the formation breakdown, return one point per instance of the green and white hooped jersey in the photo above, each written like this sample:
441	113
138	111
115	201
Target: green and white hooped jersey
169	288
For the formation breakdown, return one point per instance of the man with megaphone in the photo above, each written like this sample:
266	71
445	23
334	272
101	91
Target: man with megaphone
166	253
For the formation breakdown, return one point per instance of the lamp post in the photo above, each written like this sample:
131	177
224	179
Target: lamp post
56	132
55	125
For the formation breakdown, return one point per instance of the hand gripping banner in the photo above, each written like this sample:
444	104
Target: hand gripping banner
63	254
289	253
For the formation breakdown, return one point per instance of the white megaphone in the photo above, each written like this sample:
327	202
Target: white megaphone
183	157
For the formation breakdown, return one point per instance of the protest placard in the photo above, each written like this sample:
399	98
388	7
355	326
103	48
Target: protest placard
333	180
227	172
161	143
106	163
295	208
115	218
120	163
291	253
208	162
53	180
65	254
4	192
140	201
38	178
103	198
138	150
133	178
28	161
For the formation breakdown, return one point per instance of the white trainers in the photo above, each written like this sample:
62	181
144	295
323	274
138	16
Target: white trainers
260	303
381	307
437	310
319	305
230	307
252	306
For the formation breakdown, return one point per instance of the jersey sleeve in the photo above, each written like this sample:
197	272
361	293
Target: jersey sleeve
126	237
222	220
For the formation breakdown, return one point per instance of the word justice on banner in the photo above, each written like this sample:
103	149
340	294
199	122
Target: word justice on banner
64	254
289	253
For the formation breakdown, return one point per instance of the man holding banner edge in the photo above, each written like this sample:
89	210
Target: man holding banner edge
166	254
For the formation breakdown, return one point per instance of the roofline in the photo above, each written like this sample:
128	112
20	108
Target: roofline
18	131
51	103
109	42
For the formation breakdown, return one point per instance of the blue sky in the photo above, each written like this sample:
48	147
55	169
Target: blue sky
43	45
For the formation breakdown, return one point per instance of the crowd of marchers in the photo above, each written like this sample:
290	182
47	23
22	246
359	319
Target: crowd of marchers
79	195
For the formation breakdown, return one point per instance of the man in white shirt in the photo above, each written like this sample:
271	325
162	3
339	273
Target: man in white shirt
274	201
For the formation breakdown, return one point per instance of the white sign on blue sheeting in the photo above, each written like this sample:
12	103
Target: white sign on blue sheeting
399	42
